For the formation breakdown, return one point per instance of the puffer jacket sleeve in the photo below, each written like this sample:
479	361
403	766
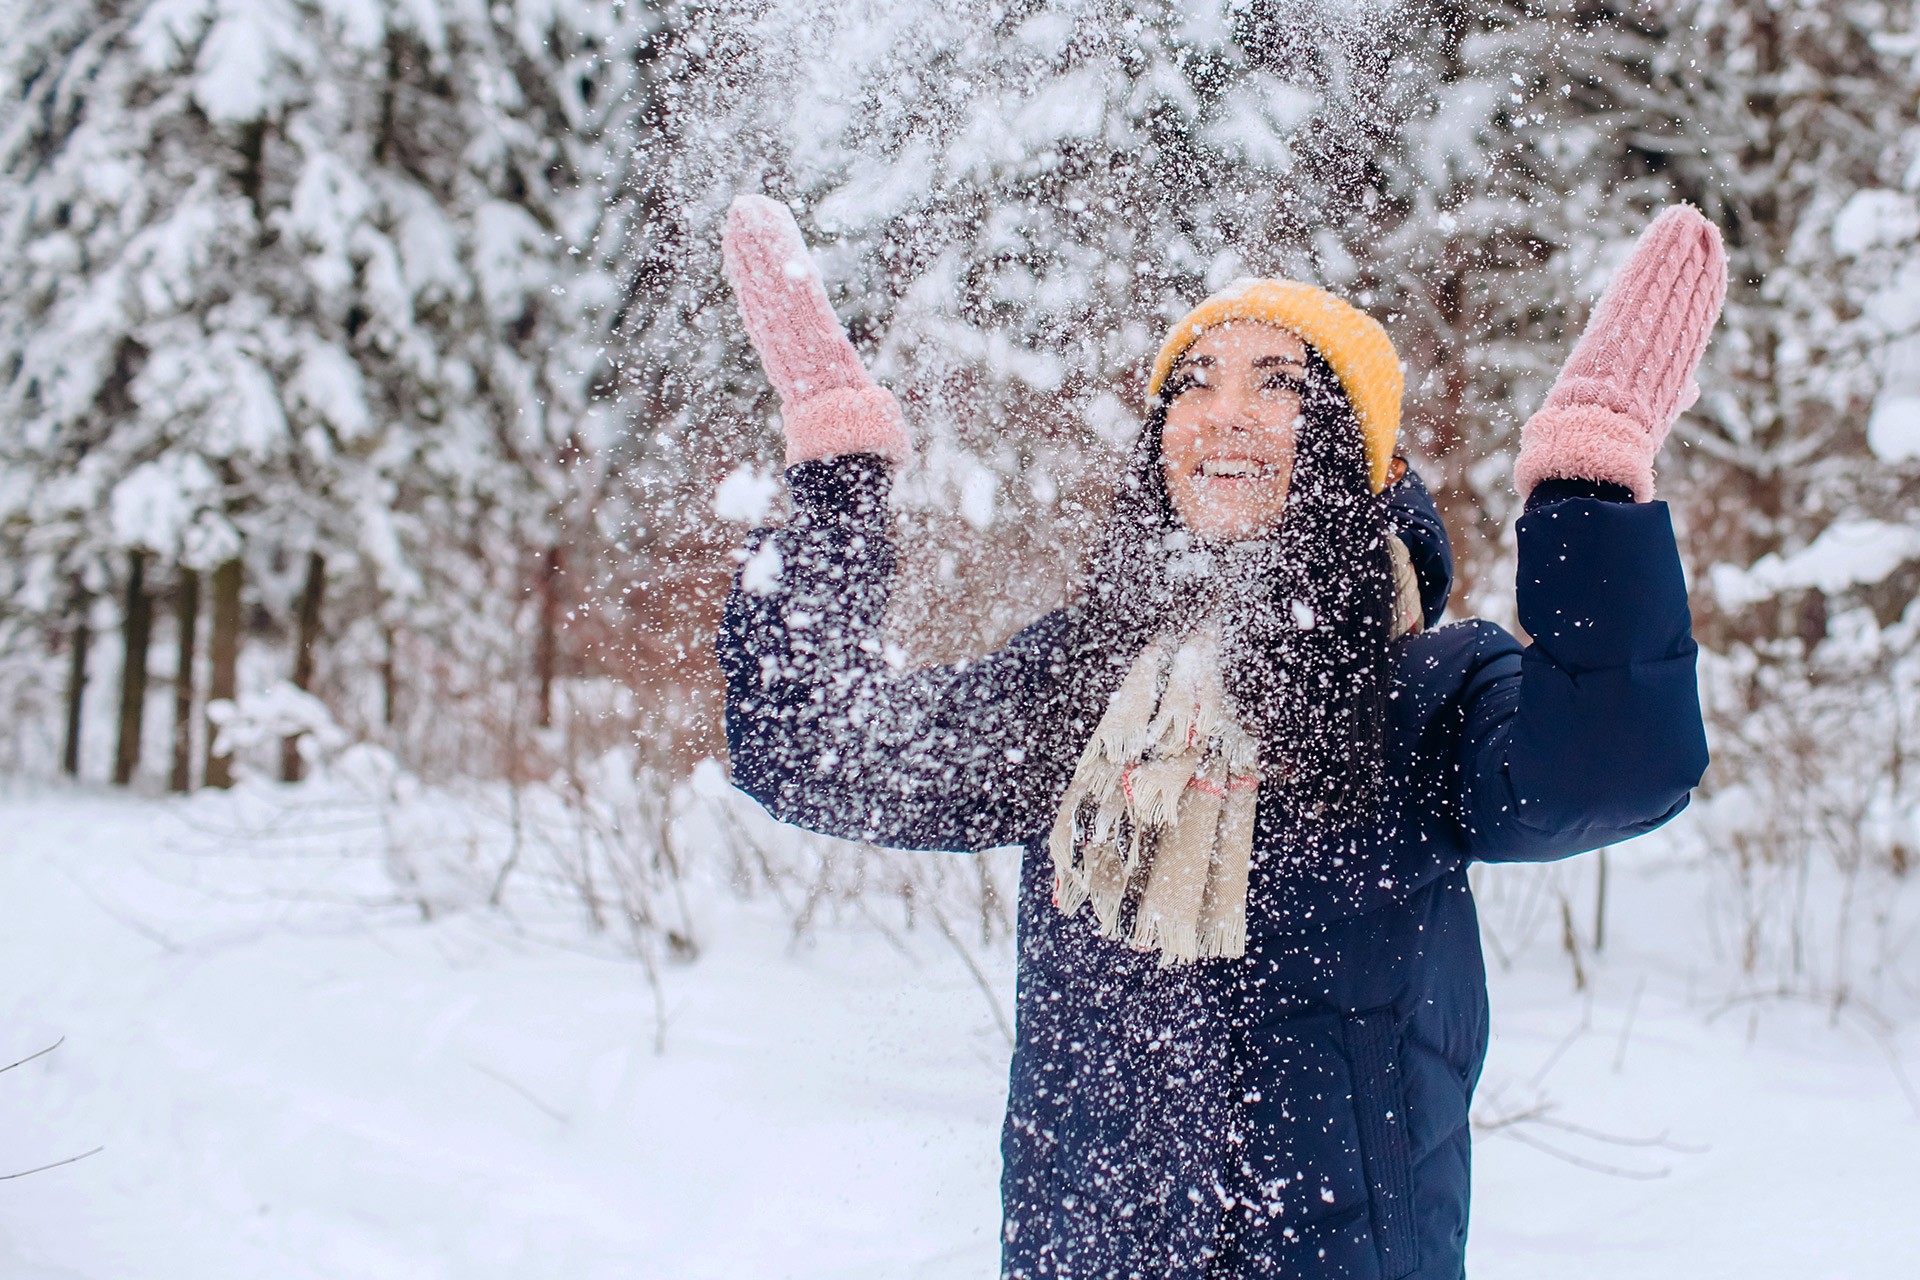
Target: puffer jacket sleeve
1593	734
829	734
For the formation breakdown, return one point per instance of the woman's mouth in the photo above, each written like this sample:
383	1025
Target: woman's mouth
1236	469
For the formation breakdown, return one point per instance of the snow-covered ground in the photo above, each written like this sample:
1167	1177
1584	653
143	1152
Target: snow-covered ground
290	1075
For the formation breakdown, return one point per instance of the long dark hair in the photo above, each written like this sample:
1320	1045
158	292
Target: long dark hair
1308	611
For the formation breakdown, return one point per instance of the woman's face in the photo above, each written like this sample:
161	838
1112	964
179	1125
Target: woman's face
1228	445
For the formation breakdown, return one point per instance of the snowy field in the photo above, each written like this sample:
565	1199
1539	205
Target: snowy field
289	1075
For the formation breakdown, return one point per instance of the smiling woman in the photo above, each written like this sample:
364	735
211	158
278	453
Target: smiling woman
1248	772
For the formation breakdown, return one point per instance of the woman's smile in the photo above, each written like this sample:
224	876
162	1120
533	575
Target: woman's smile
1237	469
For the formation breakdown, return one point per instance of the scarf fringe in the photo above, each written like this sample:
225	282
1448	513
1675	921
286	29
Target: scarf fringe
1159	810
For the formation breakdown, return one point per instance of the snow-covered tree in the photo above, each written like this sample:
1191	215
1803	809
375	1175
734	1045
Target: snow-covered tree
289	282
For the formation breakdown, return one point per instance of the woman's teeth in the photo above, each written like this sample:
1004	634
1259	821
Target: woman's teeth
1233	467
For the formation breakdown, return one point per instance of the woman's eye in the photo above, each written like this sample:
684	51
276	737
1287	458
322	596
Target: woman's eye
1286	382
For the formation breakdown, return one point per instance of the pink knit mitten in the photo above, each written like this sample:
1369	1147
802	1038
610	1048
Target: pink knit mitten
827	402
1631	373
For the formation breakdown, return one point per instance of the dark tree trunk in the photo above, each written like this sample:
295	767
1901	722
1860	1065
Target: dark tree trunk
307	635
223	647
546	653
136	632
186	617
82	640
388	694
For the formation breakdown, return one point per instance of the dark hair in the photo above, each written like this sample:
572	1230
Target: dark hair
1308	612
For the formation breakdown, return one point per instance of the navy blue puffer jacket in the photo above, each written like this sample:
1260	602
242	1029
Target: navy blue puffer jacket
1301	1111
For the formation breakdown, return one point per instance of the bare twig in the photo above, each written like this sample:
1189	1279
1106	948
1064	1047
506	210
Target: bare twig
1570	943
553	1113
30	1057
140	927
980	978
1512	1118
1581	1162
885	930
1659	1140
25	1173
1878	1034
1579	1029
1516	1126
1626	1028
513	850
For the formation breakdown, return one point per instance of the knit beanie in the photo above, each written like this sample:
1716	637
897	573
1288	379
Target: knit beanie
1348	339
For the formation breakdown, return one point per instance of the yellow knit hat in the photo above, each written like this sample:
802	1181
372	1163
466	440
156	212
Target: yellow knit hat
1347	338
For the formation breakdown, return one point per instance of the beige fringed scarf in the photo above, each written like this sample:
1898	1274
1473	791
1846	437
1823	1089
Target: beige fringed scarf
1161	807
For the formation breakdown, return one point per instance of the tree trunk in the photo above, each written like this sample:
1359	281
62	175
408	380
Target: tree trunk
388	694
306	637
546	653
82	640
136	632
186	617
223	647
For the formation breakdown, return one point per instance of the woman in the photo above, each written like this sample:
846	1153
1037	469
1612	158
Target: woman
1249	781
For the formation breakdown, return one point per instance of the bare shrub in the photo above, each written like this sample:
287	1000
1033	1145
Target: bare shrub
1813	816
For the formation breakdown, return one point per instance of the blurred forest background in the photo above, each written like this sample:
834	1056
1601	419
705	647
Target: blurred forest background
369	389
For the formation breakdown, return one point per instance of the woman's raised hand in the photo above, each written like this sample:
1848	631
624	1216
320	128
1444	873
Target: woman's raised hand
1631	374
828	404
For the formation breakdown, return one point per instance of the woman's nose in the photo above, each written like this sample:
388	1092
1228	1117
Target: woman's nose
1232	410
